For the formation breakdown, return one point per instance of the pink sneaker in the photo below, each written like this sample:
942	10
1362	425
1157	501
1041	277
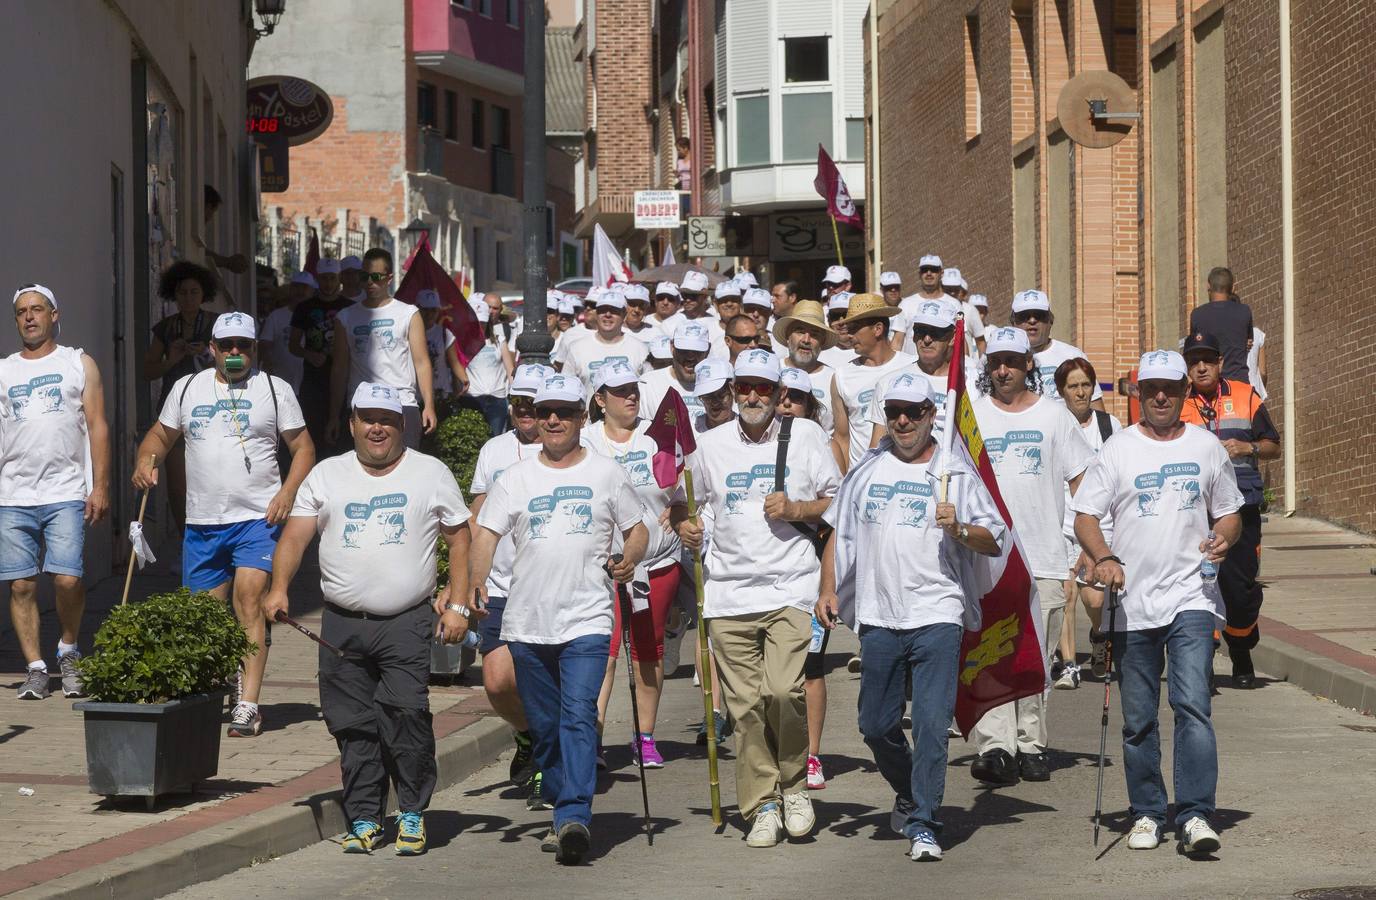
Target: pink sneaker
649	752
816	781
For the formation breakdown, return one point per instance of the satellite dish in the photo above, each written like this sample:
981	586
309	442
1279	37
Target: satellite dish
1097	109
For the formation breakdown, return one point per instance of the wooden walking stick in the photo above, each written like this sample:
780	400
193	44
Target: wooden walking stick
133	555
704	663
1112	594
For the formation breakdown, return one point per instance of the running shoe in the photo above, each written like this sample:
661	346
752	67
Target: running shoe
649	752
1069	679
799	818
71	675
924	847
1098	653
245	721
768	829
519	771
574	841
362	837
853	665
536	798
410	834
550	842
35	686
816	781
1145	834
1198	837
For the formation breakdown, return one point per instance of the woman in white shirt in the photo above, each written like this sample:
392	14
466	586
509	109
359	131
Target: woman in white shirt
1075	382
618	433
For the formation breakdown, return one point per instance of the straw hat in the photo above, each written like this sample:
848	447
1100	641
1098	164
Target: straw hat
867	306
805	312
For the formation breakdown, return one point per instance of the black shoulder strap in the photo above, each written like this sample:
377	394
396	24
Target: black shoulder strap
1105	424
781	460
186	386
276	434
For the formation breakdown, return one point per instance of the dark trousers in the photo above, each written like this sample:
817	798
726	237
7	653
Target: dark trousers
376	705
1237	581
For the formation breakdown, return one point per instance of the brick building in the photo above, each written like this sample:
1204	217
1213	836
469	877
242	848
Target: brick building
973	164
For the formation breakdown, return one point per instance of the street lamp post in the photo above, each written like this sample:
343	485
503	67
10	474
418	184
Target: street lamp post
534	343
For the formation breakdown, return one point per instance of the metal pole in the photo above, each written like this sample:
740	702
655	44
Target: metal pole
534	343
1287	263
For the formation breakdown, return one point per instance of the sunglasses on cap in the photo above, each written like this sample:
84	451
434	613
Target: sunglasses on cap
936	334
233	345
378	277
914	411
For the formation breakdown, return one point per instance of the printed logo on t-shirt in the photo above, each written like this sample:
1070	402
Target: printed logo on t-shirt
914	497
866	396
597	364
381	521
1025	447
236	418
637	466
1177	481
569	508
743	486
378	331
43	393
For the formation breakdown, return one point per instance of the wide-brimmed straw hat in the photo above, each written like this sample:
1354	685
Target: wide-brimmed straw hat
867	306
805	312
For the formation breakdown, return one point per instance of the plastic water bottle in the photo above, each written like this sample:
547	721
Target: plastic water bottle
1208	569
472	640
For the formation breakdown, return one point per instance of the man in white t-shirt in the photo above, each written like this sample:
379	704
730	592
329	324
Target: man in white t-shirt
1036	449
693	290
804	335
727	297
637	313
891	287
836	280
351	279
896	558
382	341
939	283
52	421
1169	487
867	324
275	341
232	417
689	347
666	316
1032	313
500	453
606	345
562	509
763	575
841	353
379	511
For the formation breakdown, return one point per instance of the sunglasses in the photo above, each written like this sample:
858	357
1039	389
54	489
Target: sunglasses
564	413
936	334
744	389
233	345
925	269
753	339
378	277
1035	315
914	411
522	409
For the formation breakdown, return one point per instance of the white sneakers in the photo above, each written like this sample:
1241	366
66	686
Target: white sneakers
797	819
768	829
1198	837
798	815
1145	834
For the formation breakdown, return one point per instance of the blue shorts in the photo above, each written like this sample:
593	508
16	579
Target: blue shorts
211	553
61	528
490	629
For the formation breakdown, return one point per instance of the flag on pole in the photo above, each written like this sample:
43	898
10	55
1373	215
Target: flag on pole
832	188
1001	660
458	316
668	255
142	551
312	254
607	264
672	432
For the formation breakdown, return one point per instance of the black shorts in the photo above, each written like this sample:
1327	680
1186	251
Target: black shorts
814	666
490	629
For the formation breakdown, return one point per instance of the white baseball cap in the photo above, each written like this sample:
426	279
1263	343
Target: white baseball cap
757	297
371	395
327	266
1024	301
692	336
614	374
758	363
528	378
952	278
561	388
481	310
890	279
429	298
979	300
659	347
668	287
305	278
350	262
934	313
909	387
1162	365
836	275
1006	340
614	299
234	324
931	259
590	297
839	300
693	280
636	292
728	289
711	374
746	280
795	380
36	289
567	306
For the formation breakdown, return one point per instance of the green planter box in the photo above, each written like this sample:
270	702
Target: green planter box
150	749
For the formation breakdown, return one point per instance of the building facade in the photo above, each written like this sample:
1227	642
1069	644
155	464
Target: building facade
974	164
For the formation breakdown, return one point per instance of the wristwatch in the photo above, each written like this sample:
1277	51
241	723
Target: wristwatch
964	534
461	610
1256	452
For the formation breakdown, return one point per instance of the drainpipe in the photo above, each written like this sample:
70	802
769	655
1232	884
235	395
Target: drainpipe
877	262
1287	257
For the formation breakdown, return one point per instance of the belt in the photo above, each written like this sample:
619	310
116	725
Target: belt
375	617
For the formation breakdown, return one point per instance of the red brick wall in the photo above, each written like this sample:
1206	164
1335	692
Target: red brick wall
624	87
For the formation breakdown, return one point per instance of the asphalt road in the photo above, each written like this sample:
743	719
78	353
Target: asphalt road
1298	778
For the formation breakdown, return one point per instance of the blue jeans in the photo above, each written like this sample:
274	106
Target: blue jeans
932	655
1139	657
54	531
558	684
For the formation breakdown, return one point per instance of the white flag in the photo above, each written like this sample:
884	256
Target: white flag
142	551
607	264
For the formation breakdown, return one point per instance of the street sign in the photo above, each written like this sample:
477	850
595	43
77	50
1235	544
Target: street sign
706	236
808	235
292	107
273	172
657	209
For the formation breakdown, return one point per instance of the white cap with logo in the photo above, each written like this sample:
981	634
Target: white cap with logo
528	378
567	306
1006	340
667	287
1162	365
711	375
616	373
890	279
979	300
728	289
1026	301
694	281
757	297
559	388
659	347
836	275
935	314
746	279
371	395
692	336
636	292
839	300
480	309
795	380
929	261
952	278
758	363
614	299
909	387
234	324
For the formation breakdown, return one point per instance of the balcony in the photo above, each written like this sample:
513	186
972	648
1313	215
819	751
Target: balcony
503	172
430	151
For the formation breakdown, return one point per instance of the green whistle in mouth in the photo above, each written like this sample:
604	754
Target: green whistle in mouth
234	363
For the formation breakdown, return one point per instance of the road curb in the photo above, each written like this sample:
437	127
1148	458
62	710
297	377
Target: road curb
1316	674
218	850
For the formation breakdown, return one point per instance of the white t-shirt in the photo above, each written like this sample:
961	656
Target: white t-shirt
875	412
821	389
903	576
655	384
635	457
855	386
275	340
378	533
756	564
584	358
487	375
1034	452
1161	495
1254	362
1050	359
903	322
438	340
1095	439
379	346
496	456
562	522
716	333
668	326
223	427
44	446
835	357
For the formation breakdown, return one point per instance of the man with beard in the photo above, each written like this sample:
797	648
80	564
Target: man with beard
805	336
867	324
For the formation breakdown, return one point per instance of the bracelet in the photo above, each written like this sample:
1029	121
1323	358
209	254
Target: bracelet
461	610
1109	558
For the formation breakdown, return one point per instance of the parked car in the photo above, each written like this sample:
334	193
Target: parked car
578	286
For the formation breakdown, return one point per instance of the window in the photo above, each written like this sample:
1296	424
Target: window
502	257
513	13
805	59
482	275
485	8
807	123
478	125
973	101
426	114
752	131
501	127
855	139
451	116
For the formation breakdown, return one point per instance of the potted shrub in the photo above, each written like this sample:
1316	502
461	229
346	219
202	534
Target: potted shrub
157	683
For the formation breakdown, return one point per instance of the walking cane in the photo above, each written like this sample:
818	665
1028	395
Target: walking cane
1103	721
630	679
288	620
704	664
133	547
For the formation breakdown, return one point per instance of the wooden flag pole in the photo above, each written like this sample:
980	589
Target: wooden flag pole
836	236
129	574
704	663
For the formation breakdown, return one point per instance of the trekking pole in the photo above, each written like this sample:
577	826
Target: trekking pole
1103	721
284	618
133	546
630	678
704	664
